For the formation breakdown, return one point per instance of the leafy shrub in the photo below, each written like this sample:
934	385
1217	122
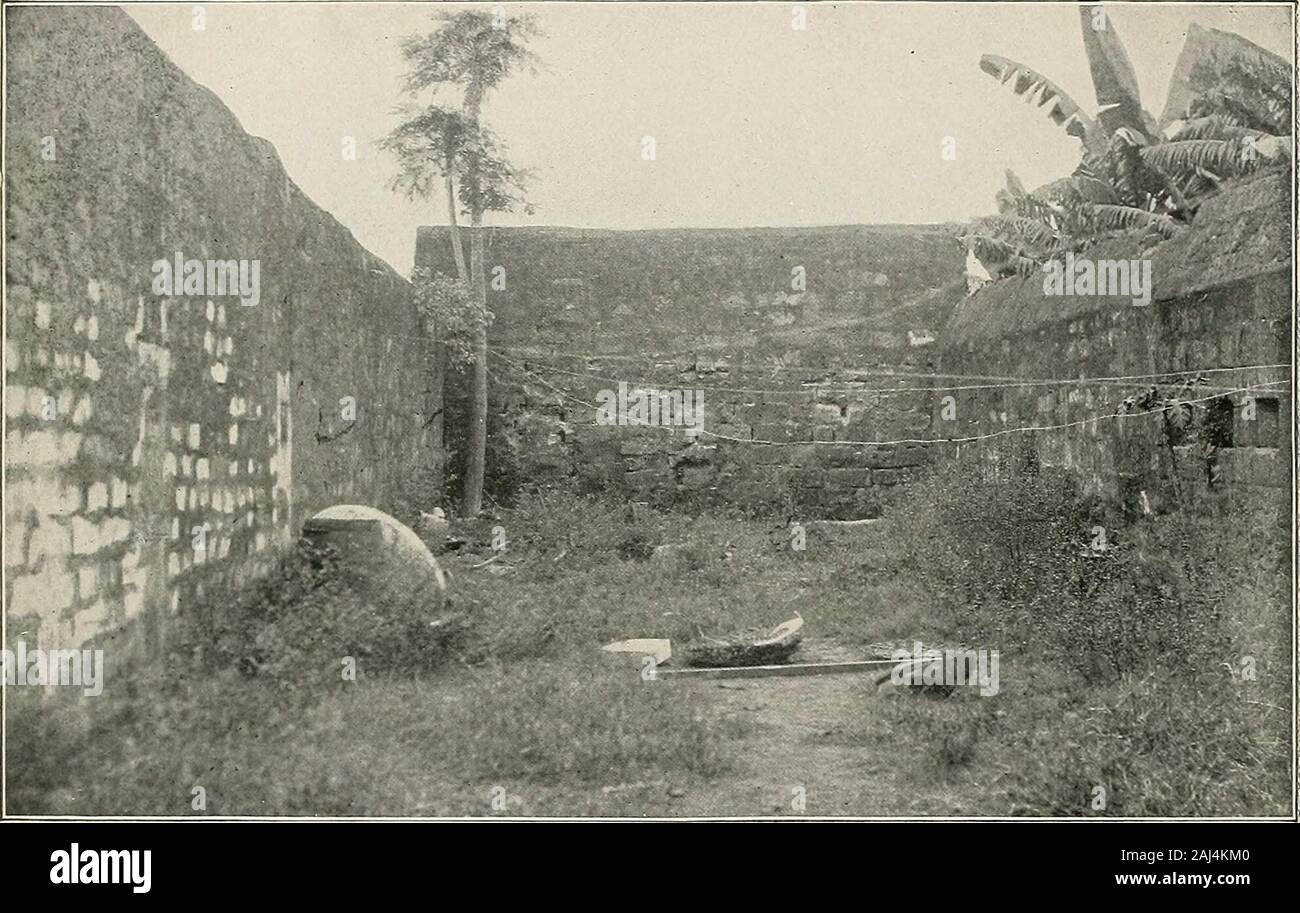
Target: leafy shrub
1022	559
1132	658
294	628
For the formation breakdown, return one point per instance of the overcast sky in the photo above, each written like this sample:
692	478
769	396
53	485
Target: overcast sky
755	123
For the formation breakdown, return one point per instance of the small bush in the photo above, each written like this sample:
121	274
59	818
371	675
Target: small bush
1021	559
294	629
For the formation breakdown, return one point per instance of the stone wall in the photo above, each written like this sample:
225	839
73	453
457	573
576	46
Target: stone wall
794	393
768	436
1222	302
134	419
793	335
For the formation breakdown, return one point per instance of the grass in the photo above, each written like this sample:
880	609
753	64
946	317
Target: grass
1155	684
391	747
1159	681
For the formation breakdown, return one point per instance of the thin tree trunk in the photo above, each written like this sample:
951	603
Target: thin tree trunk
462	273
476	449
457	249
477	445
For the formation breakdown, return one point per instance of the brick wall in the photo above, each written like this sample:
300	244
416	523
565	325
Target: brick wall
134	418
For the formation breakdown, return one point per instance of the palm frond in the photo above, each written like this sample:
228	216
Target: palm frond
1106	216
1029	234
1223	157
1036	88
1211	126
1119	100
1203	182
1001	258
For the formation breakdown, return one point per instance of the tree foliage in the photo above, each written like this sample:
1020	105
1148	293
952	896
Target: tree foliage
1131	180
469	53
449	312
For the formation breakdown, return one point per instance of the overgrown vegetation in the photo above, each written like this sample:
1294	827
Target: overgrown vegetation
1151	657
1156	668
1133	178
502	479
251	704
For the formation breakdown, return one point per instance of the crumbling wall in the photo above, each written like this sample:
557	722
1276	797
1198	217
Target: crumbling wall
795	336
160	447
767	437
1221	308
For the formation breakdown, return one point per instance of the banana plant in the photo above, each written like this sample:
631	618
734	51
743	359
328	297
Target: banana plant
1130	177
1038	90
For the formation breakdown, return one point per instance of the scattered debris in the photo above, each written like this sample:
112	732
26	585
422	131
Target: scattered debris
847	524
435	522
748	648
885	681
618	788
660	648
788	669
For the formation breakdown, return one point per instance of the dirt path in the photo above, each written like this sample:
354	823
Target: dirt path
803	743
814	746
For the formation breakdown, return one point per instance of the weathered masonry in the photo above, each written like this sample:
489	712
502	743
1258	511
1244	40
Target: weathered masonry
1221	309
790	335
160	446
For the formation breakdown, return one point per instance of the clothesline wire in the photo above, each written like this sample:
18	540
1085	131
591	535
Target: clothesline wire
948	440
839	388
875	369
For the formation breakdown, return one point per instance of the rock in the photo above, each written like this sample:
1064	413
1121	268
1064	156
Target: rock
381	556
435	522
658	647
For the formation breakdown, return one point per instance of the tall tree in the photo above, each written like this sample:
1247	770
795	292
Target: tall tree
473	52
428	147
